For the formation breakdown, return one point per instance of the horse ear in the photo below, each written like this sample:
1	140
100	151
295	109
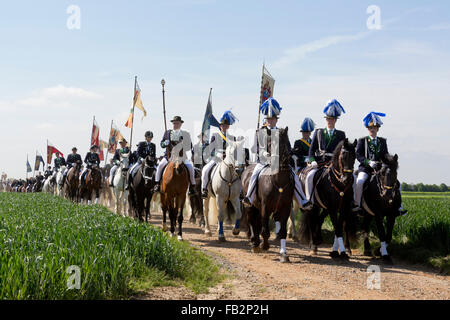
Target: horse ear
286	129
355	143
395	157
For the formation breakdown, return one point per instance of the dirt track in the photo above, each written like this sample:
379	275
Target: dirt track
262	276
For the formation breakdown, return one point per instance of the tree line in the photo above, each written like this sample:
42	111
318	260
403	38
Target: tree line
420	187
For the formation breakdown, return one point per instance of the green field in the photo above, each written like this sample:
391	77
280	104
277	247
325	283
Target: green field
42	235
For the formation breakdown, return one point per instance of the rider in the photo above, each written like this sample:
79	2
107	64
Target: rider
116	159
370	151
90	159
301	146
217	147
170	140
323	143
144	149
48	172
262	147
58	162
72	158
197	157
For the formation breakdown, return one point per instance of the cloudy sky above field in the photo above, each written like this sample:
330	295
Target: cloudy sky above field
53	80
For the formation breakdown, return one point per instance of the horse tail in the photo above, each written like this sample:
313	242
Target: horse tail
310	227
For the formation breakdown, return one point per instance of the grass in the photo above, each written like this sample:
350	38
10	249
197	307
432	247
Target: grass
42	235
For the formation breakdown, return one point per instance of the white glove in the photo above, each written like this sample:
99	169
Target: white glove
373	164
314	164
266	154
167	142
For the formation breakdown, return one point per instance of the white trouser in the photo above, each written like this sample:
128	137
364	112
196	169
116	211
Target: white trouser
205	173
298	191
252	186
82	172
164	162
112	173
309	184
358	187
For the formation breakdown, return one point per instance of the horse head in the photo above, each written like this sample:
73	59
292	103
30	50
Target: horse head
344	159
388	177
284	145
148	169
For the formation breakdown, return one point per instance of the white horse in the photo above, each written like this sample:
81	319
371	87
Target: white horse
225	186
120	194
49	185
59	190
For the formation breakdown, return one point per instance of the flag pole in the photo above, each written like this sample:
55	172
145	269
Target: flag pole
106	158
163	82
132	118
260	102
34	168
26	175
47	154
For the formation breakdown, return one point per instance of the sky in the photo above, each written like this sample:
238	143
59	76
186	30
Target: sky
55	78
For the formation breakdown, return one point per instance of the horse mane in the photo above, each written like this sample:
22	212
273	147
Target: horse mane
337	151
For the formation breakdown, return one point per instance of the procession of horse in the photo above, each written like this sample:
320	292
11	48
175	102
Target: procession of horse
317	177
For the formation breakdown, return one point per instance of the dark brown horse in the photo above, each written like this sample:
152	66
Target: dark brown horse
381	198
195	200
72	182
274	196
333	196
175	182
141	189
92	184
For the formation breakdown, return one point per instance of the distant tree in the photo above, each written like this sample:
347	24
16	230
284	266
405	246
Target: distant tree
404	186
420	187
443	187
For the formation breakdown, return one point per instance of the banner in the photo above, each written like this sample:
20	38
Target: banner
95	139
38	161
267	85
114	137
209	119
50	151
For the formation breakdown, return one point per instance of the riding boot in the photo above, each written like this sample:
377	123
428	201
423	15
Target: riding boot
204	193
157	187
247	202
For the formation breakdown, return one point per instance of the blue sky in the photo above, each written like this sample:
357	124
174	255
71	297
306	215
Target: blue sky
54	80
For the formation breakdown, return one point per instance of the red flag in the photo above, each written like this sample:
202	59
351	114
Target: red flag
95	139
50	151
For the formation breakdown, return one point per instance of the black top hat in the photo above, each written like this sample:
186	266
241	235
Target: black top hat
177	118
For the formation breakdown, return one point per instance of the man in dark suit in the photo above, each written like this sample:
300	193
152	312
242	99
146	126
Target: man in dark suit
301	146
324	142
144	149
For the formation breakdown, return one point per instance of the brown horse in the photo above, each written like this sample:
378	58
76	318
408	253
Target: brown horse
72	181
93	183
274	196
175	182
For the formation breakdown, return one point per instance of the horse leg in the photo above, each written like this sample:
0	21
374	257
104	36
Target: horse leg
147	207
265	232
173	219
284	216
254	225
179	210
338	238
237	209
221	208
205	216
366	231
382	234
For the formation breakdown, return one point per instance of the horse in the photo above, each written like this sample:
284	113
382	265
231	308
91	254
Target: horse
59	190
381	198
141	189
174	185
274	195
48	185
37	186
195	200
225	187
92	184
72	182
333	195
120	194
106	195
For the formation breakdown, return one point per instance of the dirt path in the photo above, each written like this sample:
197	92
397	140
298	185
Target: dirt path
262	276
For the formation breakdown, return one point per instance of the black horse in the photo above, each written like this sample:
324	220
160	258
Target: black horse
381	198
195	200
141	189
333	196
274	196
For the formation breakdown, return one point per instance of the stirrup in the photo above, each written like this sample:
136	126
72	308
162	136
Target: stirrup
246	202
192	190
157	187
204	194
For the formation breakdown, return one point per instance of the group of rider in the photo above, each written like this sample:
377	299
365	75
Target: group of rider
309	152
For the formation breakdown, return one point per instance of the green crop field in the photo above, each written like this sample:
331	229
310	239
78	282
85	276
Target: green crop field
41	236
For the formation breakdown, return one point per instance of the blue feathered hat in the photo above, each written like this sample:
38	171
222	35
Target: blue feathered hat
228	118
307	125
333	109
270	108
373	119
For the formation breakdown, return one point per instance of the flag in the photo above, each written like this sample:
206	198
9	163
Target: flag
209	119
137	102
114	137
38	161
50	151
267	84
28	166
95	139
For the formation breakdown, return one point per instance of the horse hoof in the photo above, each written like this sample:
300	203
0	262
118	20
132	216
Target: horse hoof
221	238
387	260
334	254
284	258
180	238
192	220
265	247
236	231
344	256
208	233
256	250
313	252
